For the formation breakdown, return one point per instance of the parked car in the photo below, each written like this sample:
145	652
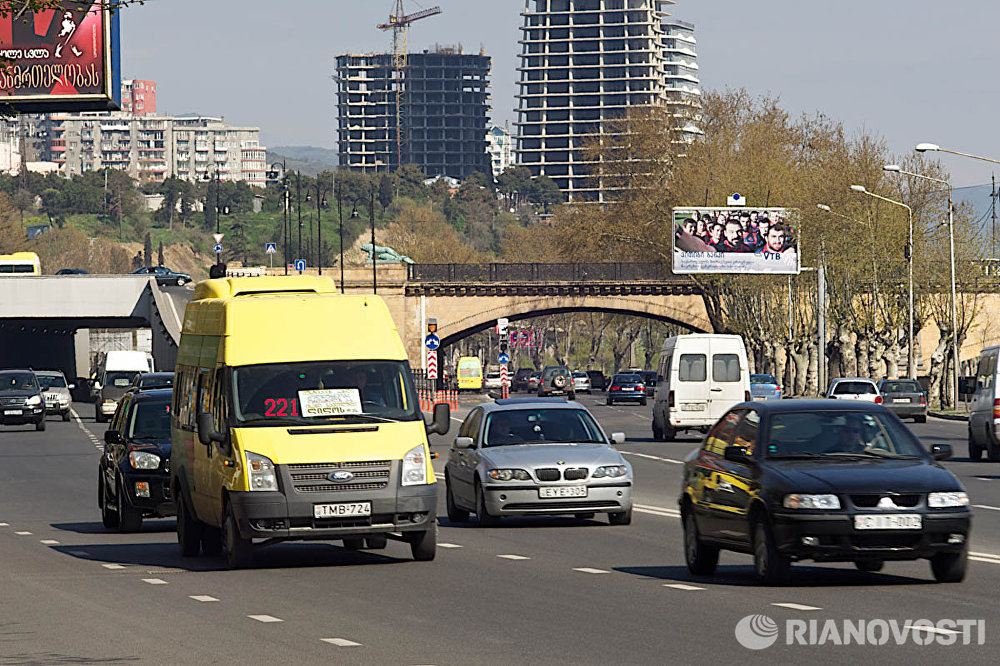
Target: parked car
21	401
854	388
150	380
520	381
556	380
533	380
844	481
531	456
163	275
55	392
492	381
598	381
904	397
626	387
764	387
581	382
133	480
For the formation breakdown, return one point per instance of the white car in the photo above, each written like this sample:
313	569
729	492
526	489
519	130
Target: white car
492	381
854	388
581	382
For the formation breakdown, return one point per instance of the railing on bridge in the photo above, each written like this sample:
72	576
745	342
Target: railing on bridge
521	273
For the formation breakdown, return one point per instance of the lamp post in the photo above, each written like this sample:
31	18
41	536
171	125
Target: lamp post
273	175
894	168
371	214
213	175
298	210
320	203
911	366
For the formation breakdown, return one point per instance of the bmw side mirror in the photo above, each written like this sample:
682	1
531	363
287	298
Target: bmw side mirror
206	429
941	451
737	454
463	443
617	438
112	437
71	387
441	421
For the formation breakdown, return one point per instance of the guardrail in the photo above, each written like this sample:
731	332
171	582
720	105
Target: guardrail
524	272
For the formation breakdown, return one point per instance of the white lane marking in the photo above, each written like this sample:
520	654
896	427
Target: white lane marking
649	457
590	571
91	436
342	642
681	586
513	557
113	566
985	506
49	542
23	533
154	581
456	419
4	524
657	510
798	607
265	618
448	545
202	597
931	630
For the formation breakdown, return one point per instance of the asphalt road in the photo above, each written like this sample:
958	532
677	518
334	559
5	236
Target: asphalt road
532	591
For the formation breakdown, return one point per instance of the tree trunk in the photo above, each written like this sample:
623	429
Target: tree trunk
936	389
812	377
800	361
891	356
848	355
778	354
862	356
876	351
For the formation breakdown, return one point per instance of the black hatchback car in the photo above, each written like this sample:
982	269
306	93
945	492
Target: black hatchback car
21	401
821	480
164	276
133	480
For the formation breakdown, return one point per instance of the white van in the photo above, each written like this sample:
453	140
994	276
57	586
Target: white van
114	376
984	416
701	377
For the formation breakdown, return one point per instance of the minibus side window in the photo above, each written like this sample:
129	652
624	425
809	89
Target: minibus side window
220	405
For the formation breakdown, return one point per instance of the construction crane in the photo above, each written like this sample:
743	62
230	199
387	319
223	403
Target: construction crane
399	23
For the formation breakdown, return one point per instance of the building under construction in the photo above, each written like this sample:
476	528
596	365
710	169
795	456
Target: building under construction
442	114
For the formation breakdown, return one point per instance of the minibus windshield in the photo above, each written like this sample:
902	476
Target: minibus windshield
324	391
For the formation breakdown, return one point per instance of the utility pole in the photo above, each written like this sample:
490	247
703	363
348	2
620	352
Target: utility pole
993	197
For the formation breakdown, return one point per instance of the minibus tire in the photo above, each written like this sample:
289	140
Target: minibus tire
211	541
188	529
238	549
423	545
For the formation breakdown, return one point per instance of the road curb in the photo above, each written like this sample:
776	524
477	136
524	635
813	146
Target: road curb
948	417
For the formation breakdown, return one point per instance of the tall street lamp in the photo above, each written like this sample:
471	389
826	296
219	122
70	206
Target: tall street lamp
273	174
911	370
371	212
894	168
321	203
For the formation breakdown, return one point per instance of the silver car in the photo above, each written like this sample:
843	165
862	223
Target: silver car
530	456
581	382
55	392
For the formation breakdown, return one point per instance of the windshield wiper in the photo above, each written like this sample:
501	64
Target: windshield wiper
797	454
876	453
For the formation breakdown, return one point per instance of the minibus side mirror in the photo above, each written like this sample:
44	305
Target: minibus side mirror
206	429
441	421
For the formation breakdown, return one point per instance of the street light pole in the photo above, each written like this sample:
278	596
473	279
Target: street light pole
298	209
371	211
911	370
894	168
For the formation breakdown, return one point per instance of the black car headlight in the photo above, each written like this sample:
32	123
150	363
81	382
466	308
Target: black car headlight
947	500
798	501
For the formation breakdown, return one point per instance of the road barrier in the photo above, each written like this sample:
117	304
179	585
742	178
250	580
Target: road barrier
429	397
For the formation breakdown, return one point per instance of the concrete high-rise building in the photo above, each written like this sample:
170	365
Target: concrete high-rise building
445	107
584	63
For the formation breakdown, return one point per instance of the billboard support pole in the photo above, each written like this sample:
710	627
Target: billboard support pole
821	324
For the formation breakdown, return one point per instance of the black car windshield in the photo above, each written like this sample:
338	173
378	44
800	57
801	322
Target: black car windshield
119	378
540	426
323	391
763	379
150	420
902	387
838	433
18	381
51	381
156	382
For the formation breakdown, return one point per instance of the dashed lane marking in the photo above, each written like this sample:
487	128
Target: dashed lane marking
113	566
682	586
448	545
931	630
986	506
649	457
265	618
154	581
49	542
4	524
985	557
204	598
590	571
798	607
23	533
341	642
657	510
513	557
91	436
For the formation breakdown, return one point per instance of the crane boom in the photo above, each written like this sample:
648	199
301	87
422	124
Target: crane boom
398	21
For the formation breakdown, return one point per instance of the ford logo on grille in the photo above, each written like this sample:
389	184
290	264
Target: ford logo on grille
340	476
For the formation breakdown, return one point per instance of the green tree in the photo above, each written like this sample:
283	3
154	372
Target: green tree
410	182
147	250
385	191
211	214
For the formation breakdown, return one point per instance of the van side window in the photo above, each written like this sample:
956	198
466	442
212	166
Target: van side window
987	370
692	368
721	435
725	368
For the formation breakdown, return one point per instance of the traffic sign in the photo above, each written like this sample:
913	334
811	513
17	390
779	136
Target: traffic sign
503	358
432	342
218	248
501	327
300	264
218	237
432	364
503	376
272	248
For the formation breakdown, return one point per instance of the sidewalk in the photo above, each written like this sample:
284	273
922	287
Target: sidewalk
950	416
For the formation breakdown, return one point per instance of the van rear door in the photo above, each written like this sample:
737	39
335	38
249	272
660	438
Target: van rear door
691	394
728	368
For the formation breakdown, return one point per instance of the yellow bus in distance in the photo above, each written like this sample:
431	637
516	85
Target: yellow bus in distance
20	263
470	374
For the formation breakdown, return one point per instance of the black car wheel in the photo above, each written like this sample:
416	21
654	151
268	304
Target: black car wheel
771	566
950	567
238	549
610	402
188	529
642	402
129	518
354	543
975	450
180	282
669	434
869	566
920	419
65	417
40	425
455	514
108	516
701	558
376	542
482	513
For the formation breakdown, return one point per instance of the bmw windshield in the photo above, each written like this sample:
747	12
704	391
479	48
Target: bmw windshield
542	426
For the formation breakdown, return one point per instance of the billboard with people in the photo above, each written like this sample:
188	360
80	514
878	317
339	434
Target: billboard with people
735	239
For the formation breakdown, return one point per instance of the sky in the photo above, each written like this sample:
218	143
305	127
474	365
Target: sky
910	71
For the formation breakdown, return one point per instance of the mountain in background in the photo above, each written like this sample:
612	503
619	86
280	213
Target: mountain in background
310	160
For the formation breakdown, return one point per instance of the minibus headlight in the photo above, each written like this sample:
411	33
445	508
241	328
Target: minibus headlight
262	476
415	467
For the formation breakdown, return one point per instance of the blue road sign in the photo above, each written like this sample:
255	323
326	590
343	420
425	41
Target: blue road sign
300	264
218	248
271	248
503	358
432	342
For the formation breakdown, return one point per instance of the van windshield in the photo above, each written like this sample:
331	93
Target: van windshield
324	391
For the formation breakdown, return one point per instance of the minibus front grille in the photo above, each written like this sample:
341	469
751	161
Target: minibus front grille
363	475
339	487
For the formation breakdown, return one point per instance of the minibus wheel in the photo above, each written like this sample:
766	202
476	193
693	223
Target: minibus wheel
238	549
423	545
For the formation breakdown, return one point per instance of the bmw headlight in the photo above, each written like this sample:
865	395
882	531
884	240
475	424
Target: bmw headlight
508	475
262	474
415	467
947	500
33	400
143	460
609	471
795	501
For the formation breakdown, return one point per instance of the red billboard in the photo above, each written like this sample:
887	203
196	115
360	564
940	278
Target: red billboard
61	59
